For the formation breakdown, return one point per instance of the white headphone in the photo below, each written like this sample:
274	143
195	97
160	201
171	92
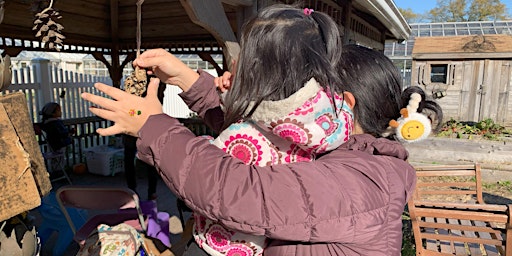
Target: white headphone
411	126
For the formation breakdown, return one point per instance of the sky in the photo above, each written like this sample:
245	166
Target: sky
422	6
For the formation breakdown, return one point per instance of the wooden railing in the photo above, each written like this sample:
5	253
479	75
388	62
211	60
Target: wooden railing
85	135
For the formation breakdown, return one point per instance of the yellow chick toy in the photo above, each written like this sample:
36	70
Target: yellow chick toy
412	126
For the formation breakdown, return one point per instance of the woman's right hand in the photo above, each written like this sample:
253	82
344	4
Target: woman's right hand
167	68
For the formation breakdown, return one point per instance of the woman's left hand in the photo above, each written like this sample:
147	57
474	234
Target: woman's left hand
127	111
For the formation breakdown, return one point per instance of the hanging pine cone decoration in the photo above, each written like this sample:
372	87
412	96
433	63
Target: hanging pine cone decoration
137	81
48	30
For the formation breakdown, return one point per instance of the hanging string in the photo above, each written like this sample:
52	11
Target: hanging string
139	16
48	8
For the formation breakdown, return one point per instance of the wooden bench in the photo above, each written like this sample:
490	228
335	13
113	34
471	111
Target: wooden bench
449	216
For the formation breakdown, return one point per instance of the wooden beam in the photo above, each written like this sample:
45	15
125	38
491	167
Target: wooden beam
99	56
12	52
208	57
115	70
458	56
130	57
239	2
210	15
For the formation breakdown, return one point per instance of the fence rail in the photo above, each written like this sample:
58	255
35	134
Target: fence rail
85	135
42	83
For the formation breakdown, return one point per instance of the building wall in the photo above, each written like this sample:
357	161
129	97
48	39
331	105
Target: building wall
474	90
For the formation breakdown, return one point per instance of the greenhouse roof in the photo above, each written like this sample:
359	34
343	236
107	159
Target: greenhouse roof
461	28
399	50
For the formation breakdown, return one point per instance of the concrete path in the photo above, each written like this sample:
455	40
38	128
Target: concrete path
495	157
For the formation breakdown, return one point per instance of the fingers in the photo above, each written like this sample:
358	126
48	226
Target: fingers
153	88
220	83
217	81
111	91
225	81
112	130
109	115
104	113
98	100
151	58
126	120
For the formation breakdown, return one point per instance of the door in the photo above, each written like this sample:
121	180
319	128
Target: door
493	94
485	91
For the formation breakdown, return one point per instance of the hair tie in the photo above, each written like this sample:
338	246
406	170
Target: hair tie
308	11
411	126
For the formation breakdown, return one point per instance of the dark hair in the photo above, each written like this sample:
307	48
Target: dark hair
376	85
48	110
281	49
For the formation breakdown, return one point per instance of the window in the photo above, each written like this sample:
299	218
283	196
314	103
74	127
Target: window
438	73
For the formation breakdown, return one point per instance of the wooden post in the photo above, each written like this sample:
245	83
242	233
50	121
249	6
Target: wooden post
210	15
43	77
508	232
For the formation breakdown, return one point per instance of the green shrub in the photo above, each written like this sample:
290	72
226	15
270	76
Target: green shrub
487	129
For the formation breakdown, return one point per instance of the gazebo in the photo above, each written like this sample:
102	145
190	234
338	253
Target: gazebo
203	27
108	29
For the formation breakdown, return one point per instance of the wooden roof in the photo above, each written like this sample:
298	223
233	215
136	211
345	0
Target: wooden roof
470	46
100	25
109	27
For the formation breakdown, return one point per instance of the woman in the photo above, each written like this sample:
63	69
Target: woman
347	202
349	205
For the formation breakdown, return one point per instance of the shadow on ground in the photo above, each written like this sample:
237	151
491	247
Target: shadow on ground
495	199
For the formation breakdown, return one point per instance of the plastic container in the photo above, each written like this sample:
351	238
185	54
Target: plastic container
104	160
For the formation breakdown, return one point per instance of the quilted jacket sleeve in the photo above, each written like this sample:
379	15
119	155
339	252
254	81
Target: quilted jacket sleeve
204	99
337	198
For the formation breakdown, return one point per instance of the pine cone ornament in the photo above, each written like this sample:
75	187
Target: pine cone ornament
136	82
48	30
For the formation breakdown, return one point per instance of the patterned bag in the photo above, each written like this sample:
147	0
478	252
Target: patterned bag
119	240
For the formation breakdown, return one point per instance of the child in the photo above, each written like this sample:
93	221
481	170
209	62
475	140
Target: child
57	134
296	119
310	127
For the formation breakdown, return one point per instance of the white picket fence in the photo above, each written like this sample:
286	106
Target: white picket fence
43	83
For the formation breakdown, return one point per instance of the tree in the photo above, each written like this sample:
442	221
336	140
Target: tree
472	10
448	11
487	10
408	14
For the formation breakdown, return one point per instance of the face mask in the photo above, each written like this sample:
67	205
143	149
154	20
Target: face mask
316	126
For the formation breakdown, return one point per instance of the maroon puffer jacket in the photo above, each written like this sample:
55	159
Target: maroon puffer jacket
347	202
